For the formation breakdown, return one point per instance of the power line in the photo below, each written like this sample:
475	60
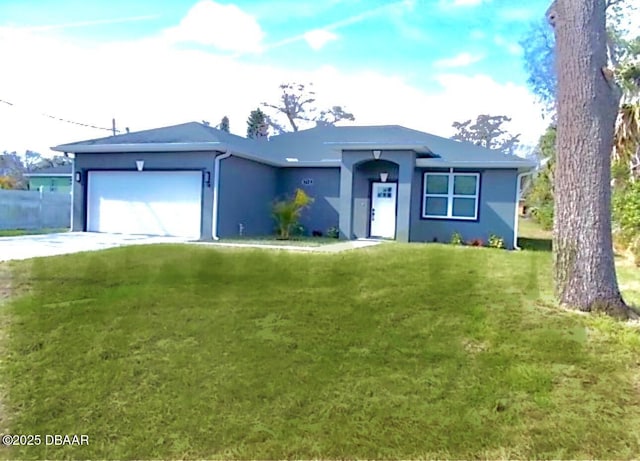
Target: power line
53	117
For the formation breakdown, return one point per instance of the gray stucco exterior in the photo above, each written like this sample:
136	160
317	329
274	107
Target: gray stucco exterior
246	191
321	184
358	169
336	166
496	213
153	161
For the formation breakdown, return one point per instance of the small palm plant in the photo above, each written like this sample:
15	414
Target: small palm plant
287	212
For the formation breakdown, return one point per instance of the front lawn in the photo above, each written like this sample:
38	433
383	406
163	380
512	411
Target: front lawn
293	241
395	351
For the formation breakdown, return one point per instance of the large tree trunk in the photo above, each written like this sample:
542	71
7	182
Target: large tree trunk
587	107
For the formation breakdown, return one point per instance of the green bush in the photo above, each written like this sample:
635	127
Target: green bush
539	197
298	230
626	209
635	250
456	239
543	215
496	241
287	213
333	232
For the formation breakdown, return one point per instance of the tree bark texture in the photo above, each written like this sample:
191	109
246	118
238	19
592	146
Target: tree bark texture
588	102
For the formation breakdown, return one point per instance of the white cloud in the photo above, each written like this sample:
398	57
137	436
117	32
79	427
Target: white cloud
461	60
460	97
318	38
480	94
225	27
512	48
97	22
150	83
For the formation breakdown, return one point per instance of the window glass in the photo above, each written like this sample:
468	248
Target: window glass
385	192
436	206
437	184
464	185
464	207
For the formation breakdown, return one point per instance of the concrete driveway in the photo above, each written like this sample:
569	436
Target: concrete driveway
32	246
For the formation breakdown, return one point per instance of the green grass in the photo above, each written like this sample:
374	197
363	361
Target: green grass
395	351
293	241
18	232
532	236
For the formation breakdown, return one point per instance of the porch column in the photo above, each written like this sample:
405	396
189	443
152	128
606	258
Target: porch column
406	167
345	222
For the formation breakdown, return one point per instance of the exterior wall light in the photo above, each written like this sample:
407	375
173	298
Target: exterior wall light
384	176
78	176
139	164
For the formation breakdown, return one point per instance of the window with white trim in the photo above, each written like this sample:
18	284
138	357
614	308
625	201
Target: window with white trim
451	195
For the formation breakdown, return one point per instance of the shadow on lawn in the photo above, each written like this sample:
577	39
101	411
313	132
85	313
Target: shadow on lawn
534	244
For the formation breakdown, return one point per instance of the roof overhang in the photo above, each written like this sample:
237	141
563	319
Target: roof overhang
522	164
140	147
364	145
324	163
163	148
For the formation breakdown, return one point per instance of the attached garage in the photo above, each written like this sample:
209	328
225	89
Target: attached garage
165	203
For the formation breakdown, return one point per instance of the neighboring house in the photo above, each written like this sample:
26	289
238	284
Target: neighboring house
52	179
392	182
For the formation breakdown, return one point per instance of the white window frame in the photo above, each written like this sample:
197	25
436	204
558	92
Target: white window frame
450	195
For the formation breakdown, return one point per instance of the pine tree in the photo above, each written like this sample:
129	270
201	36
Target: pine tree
257	126
224	124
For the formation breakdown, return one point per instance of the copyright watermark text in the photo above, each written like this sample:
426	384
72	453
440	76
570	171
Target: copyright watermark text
9	440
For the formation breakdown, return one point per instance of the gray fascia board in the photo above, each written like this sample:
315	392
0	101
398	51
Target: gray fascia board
162	147
255	158
311	163
363	145
438	163
140	147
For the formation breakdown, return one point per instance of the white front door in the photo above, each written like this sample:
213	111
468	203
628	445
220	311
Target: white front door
383	210
145	202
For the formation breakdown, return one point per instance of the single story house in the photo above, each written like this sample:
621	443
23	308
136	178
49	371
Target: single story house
390	182
51	179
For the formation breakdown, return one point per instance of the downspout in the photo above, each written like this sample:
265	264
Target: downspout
73	186
517	217
216	191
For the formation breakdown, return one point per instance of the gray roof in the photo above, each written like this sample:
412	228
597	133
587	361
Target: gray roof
319	146
58	170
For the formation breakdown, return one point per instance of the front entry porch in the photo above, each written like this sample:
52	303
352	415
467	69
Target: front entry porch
375	194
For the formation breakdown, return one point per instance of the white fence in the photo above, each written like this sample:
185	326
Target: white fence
25	209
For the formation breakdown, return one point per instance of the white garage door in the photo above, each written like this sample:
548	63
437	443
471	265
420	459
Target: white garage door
145	202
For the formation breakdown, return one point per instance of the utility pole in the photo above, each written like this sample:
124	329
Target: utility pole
113	125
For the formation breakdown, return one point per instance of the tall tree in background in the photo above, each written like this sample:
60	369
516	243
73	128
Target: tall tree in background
12	171
32	160
257	126
539	49
224	124
587	105
487	131
539	197
297	105
539	61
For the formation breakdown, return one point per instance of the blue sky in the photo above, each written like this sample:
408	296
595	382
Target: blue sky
418	63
